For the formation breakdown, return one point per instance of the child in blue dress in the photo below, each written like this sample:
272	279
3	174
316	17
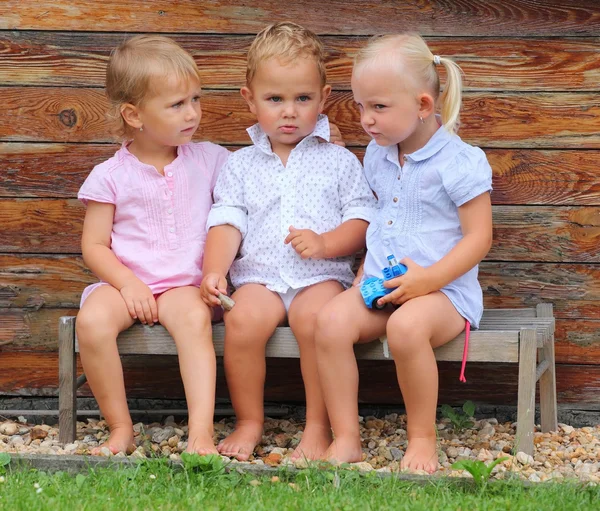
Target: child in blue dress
434	215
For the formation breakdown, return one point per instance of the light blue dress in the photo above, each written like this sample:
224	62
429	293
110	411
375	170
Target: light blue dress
418	205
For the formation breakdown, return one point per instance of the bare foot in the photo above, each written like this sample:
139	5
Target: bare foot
120	440
344	450
241	443
421	454
201	443
315	440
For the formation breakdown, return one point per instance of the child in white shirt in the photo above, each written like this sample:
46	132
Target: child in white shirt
296	210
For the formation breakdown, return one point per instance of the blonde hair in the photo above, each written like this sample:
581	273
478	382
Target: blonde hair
132	69
412	51
286	41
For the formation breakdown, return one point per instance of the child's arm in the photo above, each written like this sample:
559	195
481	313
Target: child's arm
347	239
222	244
476	224
95	246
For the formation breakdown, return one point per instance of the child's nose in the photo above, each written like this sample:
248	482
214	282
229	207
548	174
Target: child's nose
191	112
290	110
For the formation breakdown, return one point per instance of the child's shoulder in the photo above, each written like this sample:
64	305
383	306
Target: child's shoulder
341	154
205	150
243	157
458	153
112	165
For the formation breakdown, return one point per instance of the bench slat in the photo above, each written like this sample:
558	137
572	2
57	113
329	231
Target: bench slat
509	313
484	346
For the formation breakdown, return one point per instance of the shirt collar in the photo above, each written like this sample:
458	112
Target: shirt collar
261	140
435	144
124	152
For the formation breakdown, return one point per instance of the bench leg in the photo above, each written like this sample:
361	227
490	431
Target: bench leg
67	387
527	381
548	408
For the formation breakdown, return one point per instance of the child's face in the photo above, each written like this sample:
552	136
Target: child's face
287	100
389	112
172	115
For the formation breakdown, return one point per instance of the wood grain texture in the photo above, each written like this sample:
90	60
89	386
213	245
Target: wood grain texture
521	233
360	17
507	120
78	59
36	374
533	177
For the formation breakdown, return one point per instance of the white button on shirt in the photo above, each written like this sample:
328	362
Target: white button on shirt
321	187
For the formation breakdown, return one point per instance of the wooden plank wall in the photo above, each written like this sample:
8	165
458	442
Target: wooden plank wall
532	103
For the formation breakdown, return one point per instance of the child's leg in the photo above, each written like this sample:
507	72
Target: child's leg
187	318
101	318
303	318
342	323
248	327
417	327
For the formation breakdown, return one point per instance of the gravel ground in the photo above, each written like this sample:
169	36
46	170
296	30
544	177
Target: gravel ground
568	453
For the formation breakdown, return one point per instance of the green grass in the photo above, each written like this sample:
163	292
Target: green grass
155	485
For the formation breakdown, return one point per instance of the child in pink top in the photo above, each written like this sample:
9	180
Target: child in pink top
144	233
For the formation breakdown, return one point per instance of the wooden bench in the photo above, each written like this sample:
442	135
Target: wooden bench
523	336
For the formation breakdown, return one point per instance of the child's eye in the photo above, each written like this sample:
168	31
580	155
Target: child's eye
178	104
379	106
275	99
302	99
195	99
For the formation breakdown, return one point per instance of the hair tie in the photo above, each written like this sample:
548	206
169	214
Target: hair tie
436	60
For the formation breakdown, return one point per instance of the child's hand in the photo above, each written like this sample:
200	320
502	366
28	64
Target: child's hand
212	285
140	301
335	136
415	282
307	243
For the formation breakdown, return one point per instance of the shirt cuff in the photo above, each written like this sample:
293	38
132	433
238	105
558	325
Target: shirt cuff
475	192
228	215
357	213
85	197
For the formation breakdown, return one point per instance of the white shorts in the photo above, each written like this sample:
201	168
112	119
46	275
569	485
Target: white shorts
289	296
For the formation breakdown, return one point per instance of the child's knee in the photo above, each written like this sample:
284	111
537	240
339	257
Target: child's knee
330	323
196	319
94	323
244	319
404	334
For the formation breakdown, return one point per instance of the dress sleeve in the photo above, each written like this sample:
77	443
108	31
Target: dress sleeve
229	206
99	186
468	176
356	198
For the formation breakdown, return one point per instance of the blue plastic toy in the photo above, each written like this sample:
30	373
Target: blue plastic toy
373	289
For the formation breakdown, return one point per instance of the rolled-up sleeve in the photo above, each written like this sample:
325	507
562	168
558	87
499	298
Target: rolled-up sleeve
356	198
228	207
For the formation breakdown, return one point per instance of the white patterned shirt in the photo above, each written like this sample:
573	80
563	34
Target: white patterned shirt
322	186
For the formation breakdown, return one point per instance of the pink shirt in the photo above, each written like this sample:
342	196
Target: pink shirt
159	227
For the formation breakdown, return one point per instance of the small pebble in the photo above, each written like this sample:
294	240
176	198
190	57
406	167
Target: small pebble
564	454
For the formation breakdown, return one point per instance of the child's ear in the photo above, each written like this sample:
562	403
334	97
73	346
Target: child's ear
131	115
325	92
249	97
426	105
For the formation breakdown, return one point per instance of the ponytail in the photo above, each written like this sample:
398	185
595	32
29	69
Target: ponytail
452	96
